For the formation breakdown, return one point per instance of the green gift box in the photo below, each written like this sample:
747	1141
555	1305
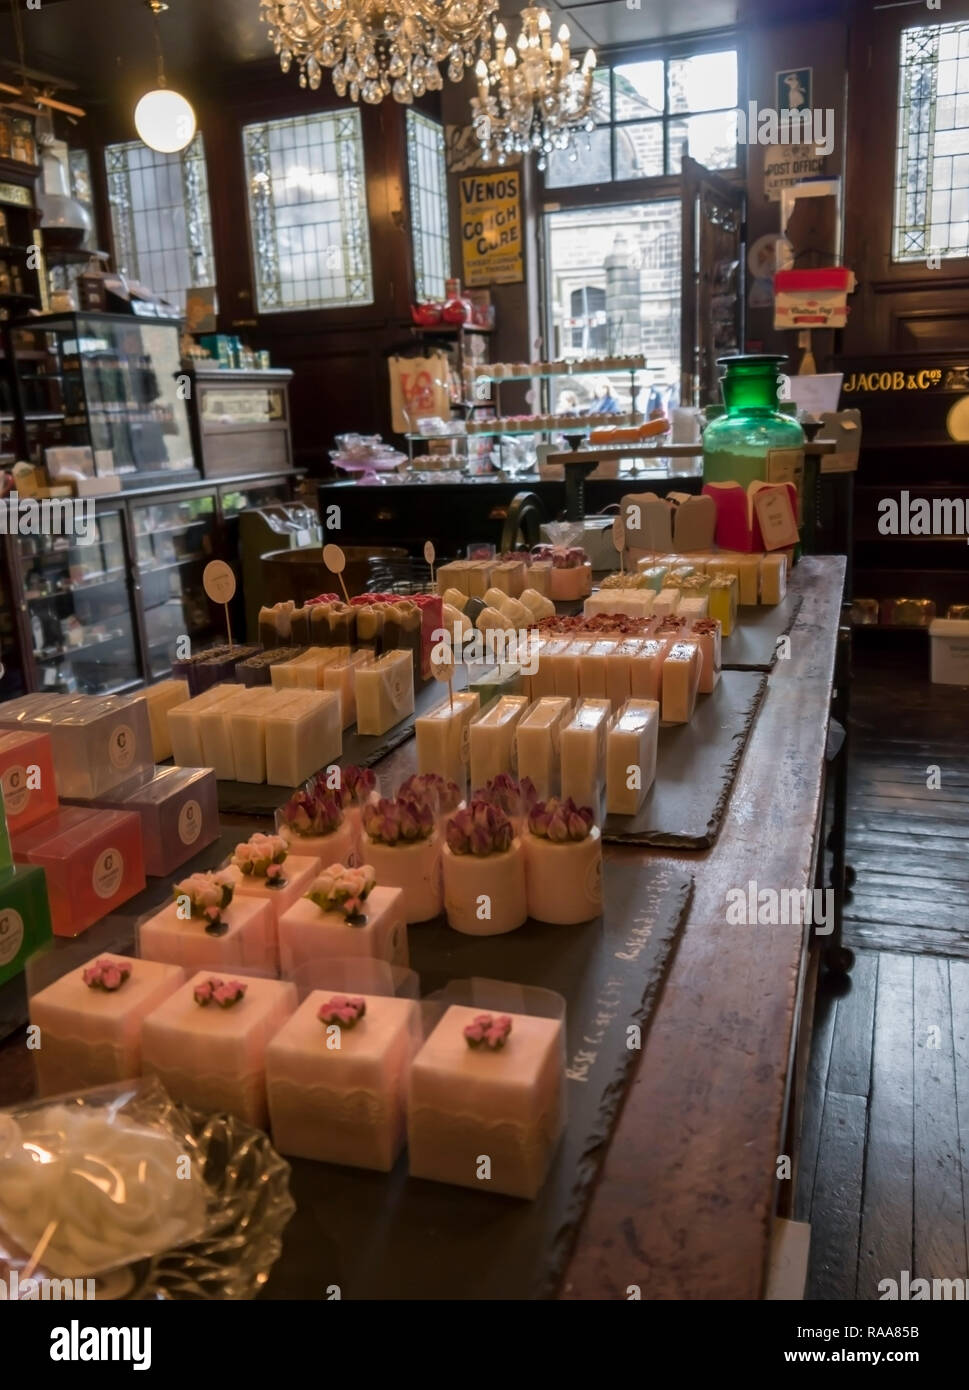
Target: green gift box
24	918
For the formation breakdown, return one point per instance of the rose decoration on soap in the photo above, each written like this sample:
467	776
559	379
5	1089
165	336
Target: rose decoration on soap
262	856
488	1033
314	812
480	829
339	889
508	794
562	557
561	821
106	975
343	1009
440	792
398	822
357	785
207	896
221	992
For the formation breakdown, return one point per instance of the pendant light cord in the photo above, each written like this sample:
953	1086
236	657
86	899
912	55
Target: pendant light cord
157	7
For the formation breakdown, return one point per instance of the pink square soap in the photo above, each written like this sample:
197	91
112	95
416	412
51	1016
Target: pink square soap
92	1037
509	1104
344	1103
306	933
299	872
93	862
213	1058
27	779
249	942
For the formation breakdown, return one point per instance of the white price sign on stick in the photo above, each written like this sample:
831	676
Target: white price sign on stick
219	583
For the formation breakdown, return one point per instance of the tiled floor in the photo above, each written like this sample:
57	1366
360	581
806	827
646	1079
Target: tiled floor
884	1173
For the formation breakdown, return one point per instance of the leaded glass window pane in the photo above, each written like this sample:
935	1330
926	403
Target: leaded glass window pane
430	232
308	221
932	157
161	221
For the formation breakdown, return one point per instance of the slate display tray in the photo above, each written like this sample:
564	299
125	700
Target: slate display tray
389	1236
360	750
753	644
695	769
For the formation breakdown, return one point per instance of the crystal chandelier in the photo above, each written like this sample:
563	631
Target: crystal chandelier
532	95
379	48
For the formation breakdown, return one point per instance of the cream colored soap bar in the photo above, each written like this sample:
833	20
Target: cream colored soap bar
537	741
183	724
538	604
444	738
542	681
303	735
706	634
773	578
384	692
584	753
631	746
666	602
681	682
215	733
565	667
748	577
618	677
493	738
454	575
693	607
247	730
160	699
339	676
592	668
646	669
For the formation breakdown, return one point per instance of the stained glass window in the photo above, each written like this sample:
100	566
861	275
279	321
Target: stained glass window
308	219
430	233
932	158
161	222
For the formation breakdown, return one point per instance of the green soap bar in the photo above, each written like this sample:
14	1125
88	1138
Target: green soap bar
494	681
655	577
24	918
6	854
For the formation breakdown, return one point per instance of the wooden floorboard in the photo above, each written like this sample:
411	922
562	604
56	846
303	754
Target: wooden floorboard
884	1164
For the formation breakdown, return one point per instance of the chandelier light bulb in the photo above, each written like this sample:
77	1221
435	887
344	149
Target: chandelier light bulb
510	59
543	20
557	53
481	70
564	34
501	33
165	121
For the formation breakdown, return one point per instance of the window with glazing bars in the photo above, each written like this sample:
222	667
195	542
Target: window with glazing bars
308	221
932	157
160	217
430	231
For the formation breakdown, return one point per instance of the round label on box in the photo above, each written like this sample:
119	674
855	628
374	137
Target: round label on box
190	822
108	873
11	934
16	792
121	747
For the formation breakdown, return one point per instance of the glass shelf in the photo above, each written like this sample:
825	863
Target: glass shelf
583	369
170	549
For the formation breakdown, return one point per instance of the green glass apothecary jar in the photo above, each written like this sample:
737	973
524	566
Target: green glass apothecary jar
753	441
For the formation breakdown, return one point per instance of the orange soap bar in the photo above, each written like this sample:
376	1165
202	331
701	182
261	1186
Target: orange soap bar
27	779
93	862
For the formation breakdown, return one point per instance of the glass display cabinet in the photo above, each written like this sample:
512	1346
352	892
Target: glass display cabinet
173	543
109	382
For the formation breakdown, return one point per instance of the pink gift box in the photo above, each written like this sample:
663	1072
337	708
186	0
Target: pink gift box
92	1037
213	1058
344	1104
307	934
249	943
508	1104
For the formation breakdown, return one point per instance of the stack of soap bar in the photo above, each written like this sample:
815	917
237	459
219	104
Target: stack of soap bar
631	746
93	862
25	926
307	933
213	1058
27	779
160	699
246	721
619	670
384	691
565	667
693	607
748	579
508	1103
509	576
681	682
773	578
345	1104
493	738
92	1037
646	669
305	672
584	753
247	939
276	625
98	743
214	668
542	680
184	728
214	729
666	601
444	737
187	668
339	677
303	734
723	602
179	811
537	741
592	667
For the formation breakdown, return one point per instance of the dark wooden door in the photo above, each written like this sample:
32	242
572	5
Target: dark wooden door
714	263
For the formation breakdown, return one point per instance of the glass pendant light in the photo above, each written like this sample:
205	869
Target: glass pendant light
164	119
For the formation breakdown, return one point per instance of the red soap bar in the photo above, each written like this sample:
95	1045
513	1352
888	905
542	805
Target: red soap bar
93	861
27	779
